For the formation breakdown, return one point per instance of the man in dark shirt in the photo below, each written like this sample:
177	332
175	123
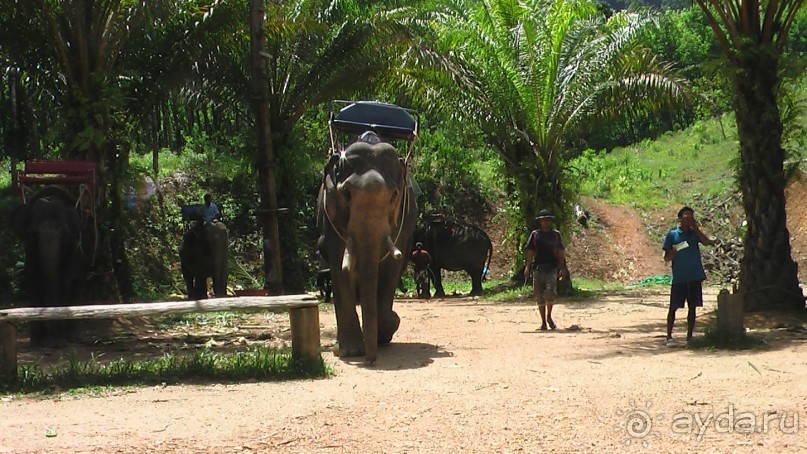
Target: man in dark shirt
544	257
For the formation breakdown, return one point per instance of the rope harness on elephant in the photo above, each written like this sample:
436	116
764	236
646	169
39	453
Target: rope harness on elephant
404	209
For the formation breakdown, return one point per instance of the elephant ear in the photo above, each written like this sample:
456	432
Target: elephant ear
333	206
18	221
403	194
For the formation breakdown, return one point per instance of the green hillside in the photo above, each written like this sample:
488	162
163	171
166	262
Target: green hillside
695	163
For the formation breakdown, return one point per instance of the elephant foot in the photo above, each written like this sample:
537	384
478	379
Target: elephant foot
475	292
440	294
348	349
387	327
48	342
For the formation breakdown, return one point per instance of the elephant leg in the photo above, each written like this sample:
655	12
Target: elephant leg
476	282
200	288
39	331
388	320
350	341
438	283
59	334
220	282
189	283
49	334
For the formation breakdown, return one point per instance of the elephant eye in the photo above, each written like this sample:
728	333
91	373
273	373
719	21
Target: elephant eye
393	197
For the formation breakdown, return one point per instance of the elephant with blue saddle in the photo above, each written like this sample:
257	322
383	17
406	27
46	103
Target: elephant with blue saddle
367	213
203	255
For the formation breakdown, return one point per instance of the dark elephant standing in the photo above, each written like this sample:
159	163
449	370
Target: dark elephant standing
203	255
58	253
456	247
368	215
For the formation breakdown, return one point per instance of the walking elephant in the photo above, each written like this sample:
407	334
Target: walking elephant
456	247
58	253
368	215
204	255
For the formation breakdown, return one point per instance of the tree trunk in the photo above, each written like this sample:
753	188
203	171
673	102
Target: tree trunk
768	274
34	149
265	158
154	137
120	259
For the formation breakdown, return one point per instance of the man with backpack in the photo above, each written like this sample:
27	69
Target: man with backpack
544	257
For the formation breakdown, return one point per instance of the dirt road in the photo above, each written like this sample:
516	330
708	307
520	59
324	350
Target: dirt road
466	375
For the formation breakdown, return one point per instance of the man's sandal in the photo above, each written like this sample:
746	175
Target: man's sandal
552	325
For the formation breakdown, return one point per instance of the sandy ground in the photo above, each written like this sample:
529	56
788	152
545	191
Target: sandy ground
467	375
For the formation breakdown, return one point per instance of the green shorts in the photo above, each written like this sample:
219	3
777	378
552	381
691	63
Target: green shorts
545	284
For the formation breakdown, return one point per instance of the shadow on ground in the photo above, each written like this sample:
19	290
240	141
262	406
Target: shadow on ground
402	356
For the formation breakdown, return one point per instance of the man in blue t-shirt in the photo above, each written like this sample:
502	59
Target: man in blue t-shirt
681	247
210	211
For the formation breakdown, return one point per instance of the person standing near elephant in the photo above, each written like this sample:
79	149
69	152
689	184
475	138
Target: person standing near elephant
421	260
544	257
681	248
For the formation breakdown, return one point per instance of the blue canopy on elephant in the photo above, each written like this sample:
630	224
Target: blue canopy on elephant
388	120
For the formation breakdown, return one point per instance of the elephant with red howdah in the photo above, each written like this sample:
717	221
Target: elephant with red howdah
456	247
367	213
58	253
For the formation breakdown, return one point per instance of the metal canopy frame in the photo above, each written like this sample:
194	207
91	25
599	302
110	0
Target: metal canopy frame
390	122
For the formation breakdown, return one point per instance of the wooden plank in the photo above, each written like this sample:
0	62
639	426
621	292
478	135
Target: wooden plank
254	303
8	353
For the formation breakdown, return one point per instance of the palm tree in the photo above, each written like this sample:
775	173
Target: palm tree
752	35
97	61
531	73
315	51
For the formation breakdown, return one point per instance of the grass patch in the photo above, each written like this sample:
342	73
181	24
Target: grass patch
504	290
262	364
221	319
592	286
715	339
664	172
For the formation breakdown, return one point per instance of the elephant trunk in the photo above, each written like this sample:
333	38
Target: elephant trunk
368	297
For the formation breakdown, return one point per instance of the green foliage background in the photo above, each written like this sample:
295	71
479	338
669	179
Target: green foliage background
201	129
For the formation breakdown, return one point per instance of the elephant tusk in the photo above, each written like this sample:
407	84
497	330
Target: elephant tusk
396	253
347	258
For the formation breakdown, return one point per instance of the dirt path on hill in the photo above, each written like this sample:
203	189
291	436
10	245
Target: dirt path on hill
615	246
466	375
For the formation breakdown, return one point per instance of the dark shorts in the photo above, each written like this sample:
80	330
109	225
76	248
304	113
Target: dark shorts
691	292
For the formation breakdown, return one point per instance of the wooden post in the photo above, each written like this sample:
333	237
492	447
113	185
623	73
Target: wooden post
730	314
8	352
305	333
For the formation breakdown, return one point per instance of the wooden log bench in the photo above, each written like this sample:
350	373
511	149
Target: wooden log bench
303	314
